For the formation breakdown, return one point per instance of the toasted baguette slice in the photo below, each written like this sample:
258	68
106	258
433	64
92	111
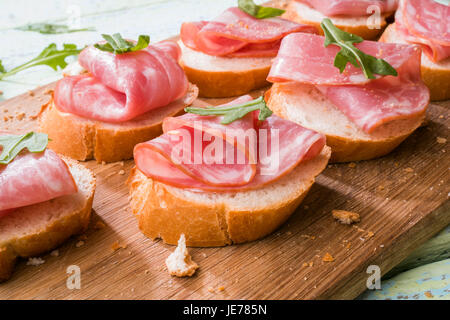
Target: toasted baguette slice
211	219
436	75
307	106
36	229
302	13
220	77
84	139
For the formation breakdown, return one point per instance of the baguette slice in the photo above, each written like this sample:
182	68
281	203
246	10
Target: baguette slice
35	229
302	13
436	75
307	106
211	219
220	77
84	139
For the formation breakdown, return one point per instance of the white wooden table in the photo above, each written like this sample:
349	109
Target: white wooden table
161	19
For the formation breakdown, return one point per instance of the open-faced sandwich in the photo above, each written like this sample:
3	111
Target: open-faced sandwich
224	175
365	18
44	199
365	96
426	23
127	90
231	55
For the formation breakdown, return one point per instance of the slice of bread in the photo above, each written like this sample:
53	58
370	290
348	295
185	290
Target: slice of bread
307	106
211	219
220	77
84	139
302	13
36	229
436	75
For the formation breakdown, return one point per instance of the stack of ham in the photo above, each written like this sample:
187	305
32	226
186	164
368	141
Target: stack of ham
121	87
368	103
33	178
159	160
236	34
332	8
427	23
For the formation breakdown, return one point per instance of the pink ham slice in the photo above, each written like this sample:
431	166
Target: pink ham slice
236	34
368	103
350	7
33	178
124	86
427	23
157	159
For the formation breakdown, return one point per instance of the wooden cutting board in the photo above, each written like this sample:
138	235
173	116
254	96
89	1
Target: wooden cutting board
402	200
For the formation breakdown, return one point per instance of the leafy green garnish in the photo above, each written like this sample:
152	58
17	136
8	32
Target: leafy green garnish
444	2
259	12
14	144
118	45
350	54
50	28
2	68
50	56
236	112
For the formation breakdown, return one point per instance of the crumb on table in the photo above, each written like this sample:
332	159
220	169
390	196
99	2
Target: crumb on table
345	217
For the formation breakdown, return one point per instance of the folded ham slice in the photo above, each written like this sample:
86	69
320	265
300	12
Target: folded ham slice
33	178
121	87
250	158
427	23
368	103
332	8
237	34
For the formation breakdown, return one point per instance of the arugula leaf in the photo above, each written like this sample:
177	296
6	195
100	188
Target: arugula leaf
259	12
350	54
116	44
444	2
236	112
50	28
50	56
14	144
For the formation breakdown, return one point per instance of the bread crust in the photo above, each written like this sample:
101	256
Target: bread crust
166	212
84	139
222	84
43	240
344	149
361	30
436	78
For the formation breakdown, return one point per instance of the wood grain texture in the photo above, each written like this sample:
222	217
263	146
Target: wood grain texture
402	199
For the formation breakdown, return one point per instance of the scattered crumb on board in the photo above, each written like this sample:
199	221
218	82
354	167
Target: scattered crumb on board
179	262
35	261
116	246
345	217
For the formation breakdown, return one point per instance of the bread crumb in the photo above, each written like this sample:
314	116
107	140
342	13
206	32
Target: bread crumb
348	245
82	237
54	253
305	264
211	289
221	288
116	246
30	93
79	244
99	225
409	170
441	140
179	262
311	264
20	116
441	116
35	261
345	217
428	294
147	271
327	258
103	163
122	172
352	165
370	234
